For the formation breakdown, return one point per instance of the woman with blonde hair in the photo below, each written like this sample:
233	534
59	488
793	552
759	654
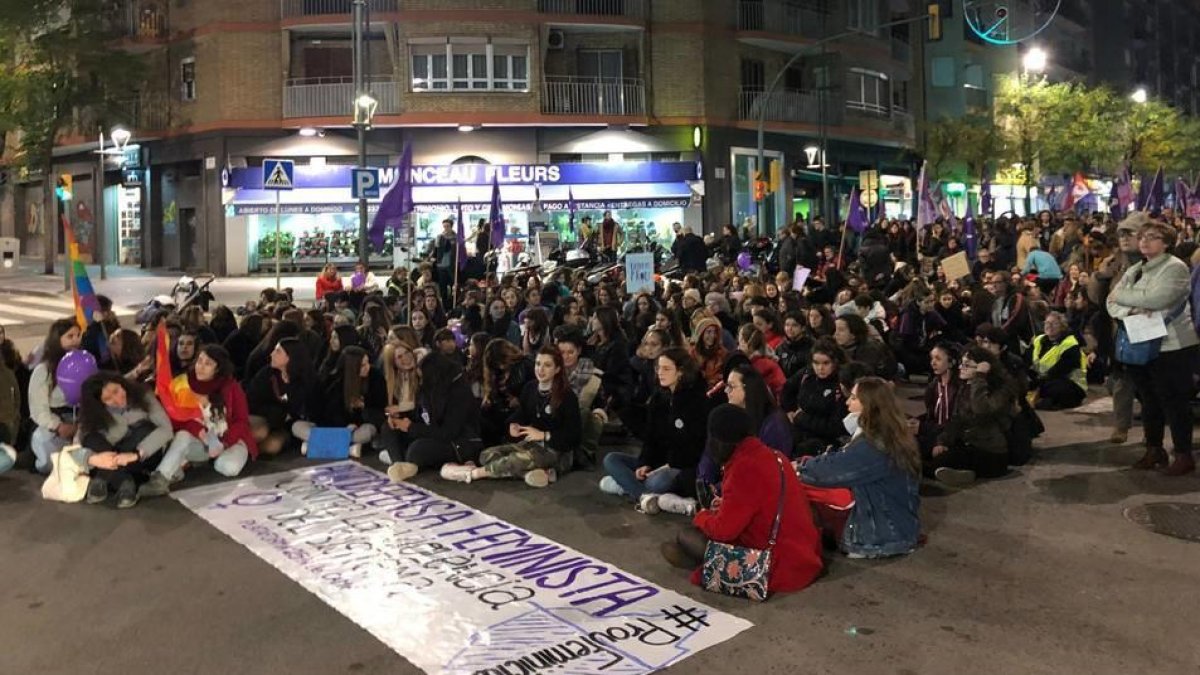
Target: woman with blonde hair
881	468
402	384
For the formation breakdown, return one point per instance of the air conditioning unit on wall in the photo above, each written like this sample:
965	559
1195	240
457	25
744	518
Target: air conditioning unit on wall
555	40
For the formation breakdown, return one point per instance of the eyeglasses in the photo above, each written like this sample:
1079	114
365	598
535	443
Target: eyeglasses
1150	236
729	386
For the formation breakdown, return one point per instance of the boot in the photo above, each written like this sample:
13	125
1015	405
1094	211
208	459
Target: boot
1154	458
1183	465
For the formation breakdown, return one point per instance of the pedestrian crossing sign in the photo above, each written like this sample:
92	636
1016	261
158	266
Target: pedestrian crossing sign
278	174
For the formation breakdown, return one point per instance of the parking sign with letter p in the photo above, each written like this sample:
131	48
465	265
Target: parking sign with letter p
364	183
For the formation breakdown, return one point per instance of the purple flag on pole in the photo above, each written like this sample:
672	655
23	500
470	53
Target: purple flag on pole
396	204
462	236
857	220
1181	196
496	214
1156	197
926	211
969	240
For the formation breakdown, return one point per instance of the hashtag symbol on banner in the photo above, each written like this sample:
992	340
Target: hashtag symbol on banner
690	619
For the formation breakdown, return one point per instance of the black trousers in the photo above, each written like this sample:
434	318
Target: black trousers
1165	388
1060	395
431	453
962	456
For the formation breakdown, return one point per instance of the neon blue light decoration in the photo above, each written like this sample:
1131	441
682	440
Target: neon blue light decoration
1008	22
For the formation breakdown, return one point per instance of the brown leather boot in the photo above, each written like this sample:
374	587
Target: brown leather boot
1154	458
1183	465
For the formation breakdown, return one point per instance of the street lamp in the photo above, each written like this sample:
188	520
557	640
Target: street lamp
364	110
120	138
1035	60
1139	95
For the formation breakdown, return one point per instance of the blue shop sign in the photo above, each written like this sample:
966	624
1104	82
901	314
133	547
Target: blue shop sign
483	174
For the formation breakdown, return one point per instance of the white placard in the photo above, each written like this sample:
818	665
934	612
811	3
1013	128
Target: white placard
1145	327
450	588
639	272
799	278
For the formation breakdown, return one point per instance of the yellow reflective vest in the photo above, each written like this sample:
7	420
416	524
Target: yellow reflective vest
1044	360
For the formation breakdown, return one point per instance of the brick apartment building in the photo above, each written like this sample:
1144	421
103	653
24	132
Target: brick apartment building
648	108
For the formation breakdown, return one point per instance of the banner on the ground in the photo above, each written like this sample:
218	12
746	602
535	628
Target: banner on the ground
450	588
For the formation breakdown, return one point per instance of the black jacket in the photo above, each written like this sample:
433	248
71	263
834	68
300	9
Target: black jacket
563	422
455	420
821	405
268	397
793	354
612	358
677	428
693	254
331	409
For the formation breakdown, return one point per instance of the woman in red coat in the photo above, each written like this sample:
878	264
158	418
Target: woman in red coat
745	512
753	344
328	281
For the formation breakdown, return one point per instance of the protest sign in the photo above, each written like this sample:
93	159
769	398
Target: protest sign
639	272
956	266
800	277
450	588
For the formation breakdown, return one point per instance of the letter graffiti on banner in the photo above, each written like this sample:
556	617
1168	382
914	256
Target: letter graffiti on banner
450	588
639	272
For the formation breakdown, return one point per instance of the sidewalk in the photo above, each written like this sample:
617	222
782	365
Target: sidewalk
132	286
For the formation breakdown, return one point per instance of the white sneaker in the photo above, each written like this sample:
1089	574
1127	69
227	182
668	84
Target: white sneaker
459	473
648	504
955	477
609	486
672	503
356	450
402	471
304	449
540	478
385	458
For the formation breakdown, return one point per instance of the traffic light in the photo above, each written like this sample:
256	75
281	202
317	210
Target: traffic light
760	187
935	22
65	185
775	176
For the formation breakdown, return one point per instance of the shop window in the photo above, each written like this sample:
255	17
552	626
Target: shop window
477	66
187	79
868	91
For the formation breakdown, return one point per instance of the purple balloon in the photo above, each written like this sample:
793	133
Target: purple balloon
459	338
73	369
743	260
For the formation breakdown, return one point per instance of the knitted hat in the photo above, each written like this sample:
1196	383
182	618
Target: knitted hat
1134	221
694	294
728	423
703	324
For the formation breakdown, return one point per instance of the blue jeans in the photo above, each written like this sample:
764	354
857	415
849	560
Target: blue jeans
45	442
621	467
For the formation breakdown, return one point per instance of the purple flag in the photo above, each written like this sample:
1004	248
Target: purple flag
396	204
1155	194
926	211
857	220
970	242
462	237
1181	196
496	214
985	196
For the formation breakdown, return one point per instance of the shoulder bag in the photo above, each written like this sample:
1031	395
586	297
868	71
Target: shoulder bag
741	571
1142	353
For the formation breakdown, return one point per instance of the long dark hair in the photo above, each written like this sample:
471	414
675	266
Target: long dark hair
225	371
559	385
132	350
689	370
610	322
93	414
280	331
52	350
299	367
252	327
354	385
760	404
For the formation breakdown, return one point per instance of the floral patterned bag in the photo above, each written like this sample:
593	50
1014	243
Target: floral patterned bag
742	571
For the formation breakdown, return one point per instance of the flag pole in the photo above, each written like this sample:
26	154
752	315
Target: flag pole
409	284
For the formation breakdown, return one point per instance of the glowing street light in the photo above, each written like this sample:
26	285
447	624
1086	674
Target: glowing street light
1139	95
1035	60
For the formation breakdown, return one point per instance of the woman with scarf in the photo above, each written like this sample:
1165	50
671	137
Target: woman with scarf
221	433
708	351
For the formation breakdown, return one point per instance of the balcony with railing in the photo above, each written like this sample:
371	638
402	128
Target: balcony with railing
599	9
780	16
593	96
300	9
786	105
334	96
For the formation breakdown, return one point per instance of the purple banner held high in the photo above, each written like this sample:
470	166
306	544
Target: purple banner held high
496	216
857	220
396	204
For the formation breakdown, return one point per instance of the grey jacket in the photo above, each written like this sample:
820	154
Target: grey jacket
1158	285
43	398
122	422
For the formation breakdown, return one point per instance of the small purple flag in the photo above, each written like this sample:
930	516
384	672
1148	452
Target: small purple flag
396	204
1155	195
926	210
462	236
857	220
496	214
1182	191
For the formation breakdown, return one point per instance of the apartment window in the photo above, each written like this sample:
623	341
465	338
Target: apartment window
868	91
754	76
862	15
187	79
473	66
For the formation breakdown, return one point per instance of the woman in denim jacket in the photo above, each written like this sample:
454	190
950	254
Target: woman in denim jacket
881	466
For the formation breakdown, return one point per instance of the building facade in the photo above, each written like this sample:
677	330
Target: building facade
586	91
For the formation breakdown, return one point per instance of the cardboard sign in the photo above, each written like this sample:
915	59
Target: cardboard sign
450	588
956	266
639	272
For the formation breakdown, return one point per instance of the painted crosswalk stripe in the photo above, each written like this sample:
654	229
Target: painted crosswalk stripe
17	310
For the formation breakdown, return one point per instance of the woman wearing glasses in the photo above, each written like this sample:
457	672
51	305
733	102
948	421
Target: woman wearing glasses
1159	285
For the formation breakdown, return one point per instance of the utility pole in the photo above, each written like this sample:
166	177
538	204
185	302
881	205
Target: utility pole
361	124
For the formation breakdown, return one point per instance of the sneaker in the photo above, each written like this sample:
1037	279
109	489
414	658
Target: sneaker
672	503
127	494
609	486
459	473
1119	436
538	478
157	486
648	504
401	471
304	449
97	491
385	458
955	477
356	450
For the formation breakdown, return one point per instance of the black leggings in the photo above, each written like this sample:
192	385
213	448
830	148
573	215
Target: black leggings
431	453
984	464
1165	388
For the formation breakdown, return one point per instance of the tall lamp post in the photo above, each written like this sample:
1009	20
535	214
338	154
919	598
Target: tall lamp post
120	138
1034	61
364	111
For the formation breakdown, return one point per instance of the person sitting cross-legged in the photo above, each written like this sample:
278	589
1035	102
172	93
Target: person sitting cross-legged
1059	366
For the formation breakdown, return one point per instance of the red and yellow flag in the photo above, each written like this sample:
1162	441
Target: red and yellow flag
174	393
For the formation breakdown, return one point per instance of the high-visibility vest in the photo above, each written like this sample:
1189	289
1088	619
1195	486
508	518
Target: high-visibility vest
1043	362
